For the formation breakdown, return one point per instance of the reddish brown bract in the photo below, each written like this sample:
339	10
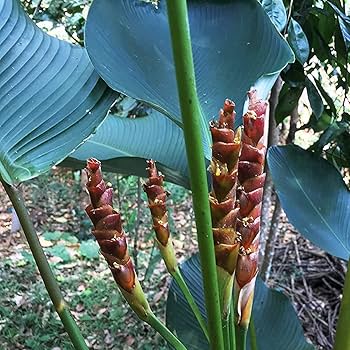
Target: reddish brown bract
251	178
157	203
108	227
250	192
224	208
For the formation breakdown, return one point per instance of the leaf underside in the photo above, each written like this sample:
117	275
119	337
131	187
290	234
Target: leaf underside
129	44
51	98
123	145
276	11
298	41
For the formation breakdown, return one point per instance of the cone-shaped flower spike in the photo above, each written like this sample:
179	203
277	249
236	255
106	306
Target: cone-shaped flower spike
157	196
224	206
112	240
251	179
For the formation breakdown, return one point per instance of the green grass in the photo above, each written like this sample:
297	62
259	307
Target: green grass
28	318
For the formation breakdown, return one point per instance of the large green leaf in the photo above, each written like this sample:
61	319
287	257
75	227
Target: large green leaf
276	323
234	45
315	98
123	144
344	23
51	98
276	11
287	100
298	41
314	197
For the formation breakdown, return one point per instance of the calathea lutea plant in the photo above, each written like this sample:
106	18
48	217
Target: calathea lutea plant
235	200
53	96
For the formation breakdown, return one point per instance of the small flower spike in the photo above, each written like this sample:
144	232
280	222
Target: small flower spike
157	196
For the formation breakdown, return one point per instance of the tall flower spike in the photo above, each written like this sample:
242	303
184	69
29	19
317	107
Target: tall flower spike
157	203
224	207
251	179
112	240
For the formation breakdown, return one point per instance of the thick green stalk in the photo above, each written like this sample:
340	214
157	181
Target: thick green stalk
241	337
232	326
187	294
342	335
252	335
44	269
191	114
156	324
226	333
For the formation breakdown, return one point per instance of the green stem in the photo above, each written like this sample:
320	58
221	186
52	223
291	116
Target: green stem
252	335
241	337
191	114
342	335
232	326
44	268
226	333
156	324
187	294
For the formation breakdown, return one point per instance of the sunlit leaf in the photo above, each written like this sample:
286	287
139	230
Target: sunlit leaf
344	23
298	41
276	11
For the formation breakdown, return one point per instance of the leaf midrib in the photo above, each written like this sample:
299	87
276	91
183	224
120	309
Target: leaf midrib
112	148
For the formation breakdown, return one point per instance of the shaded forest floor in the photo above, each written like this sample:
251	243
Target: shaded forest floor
312	279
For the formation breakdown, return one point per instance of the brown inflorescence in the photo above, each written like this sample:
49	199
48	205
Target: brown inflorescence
224	169
108	227
157	196
251	178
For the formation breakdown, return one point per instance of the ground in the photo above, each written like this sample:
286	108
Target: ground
312	279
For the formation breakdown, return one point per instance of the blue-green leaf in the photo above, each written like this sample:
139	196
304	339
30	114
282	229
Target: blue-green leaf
298	41
60	251
315	98
51	98
89	249
276	11
52	236
129	45
276	323
314	197
123	145
344	23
